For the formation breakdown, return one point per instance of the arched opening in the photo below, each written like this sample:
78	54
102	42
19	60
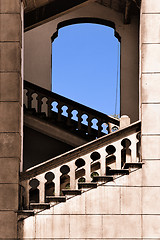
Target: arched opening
86	63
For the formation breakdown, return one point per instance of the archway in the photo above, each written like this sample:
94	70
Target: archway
86	63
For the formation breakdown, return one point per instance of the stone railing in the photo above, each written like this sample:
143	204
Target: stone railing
66	113
98	157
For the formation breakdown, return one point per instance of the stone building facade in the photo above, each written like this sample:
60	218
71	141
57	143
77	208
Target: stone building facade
122	201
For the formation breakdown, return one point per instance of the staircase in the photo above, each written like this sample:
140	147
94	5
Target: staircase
66	114
84	184
84	168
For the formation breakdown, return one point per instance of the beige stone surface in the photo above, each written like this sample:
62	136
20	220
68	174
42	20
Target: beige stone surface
150	149
150	6
9	170
150	173
150	58
148	21
151	200
10	56
151	227
122	226
8	225
150	88
9	87
11	22
44	226
150	118
8	192
74	205
130	200
9	145
10	116
85	226
107	203
29	228
10	6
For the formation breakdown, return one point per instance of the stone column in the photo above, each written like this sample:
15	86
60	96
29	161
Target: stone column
10	114
150	113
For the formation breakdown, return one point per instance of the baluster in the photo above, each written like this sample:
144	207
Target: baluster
57	181
26	193
79	119
41	188
99	124
29	97
109	127
88	169
118	147
103	163
89	124
59	106
72	176
39	103
134	141
49	103
69	110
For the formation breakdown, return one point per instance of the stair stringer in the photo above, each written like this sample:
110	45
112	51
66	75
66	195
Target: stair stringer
110	211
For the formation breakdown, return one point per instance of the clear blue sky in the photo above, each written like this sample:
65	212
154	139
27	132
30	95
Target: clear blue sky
84	66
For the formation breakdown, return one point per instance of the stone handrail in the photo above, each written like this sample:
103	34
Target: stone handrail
108	152
89	129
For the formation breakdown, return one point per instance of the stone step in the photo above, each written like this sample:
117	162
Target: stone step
39	206
102	178
133	165
55	198
117	172
87	185
71	192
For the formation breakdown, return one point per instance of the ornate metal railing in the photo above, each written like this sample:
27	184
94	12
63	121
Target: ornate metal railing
69	114
100	157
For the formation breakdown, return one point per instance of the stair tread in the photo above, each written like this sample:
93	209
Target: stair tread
71	192
40	205
117	171
87	185
56	198
104	178
133	165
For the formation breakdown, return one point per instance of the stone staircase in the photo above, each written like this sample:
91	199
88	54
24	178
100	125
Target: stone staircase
99	162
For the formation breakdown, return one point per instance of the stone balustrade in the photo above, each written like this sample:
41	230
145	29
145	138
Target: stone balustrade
68	114
96	158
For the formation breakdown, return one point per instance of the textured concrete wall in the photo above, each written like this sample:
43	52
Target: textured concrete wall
150	113
38	53
112	211
10	114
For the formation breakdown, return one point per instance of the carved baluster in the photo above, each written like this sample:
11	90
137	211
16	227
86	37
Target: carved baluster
109	127
89	124
79	119
49	103
69	111
72	176
88	169
57	181
118	147
134	141
29	97
59	106
99	127
39	103
41	188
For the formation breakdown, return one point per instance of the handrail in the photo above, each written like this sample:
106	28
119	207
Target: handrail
77	105
71	105
80	151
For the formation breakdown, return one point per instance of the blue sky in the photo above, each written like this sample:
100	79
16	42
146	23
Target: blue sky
84	66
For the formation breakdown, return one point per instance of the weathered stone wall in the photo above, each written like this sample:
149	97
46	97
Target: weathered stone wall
10	114
38	53
150	113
